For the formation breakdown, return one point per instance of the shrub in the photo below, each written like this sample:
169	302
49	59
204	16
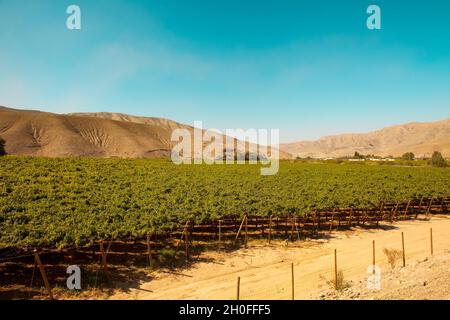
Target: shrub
341	283
2	147
408	156
393	256
437	160
357	155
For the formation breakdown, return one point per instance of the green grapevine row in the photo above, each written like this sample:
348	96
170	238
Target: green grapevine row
67	202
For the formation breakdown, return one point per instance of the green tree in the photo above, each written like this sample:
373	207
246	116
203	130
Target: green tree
2	147
437	160
408	156
357	155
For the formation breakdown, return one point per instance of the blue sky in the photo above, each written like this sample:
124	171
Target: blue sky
309	68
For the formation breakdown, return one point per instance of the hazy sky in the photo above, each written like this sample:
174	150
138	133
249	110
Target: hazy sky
309	68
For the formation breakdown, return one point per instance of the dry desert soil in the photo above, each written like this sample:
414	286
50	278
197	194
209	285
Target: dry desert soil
265	271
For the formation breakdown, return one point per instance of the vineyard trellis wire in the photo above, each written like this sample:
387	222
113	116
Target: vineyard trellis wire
284	226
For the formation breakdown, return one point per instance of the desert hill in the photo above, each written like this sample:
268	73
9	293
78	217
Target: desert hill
36	133
152	121
46	134
421	138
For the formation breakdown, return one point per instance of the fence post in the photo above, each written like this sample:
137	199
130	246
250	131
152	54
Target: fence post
373	256
335	270
431	240
292	274
238	288
44	275
403	250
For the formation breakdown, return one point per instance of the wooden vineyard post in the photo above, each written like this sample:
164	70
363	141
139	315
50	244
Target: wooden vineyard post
186	243
429	206
296	227
318	220
240	228
182	235
364	216
292	277
263	229
394	213
102	251
350	218
238	288
445	207
332	220
34	270
104	256
286	227
373	256
220	234
270	228
380	216
420	207
335	270
406	210
149	251
403	250
44	275
246	232
292	227
431	241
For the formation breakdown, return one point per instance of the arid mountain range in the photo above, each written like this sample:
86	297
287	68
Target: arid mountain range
37	133
421	138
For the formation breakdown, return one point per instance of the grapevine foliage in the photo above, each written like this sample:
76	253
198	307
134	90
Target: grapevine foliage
76	201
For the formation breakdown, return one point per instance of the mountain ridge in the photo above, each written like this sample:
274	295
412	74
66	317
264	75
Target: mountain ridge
101	134
421	138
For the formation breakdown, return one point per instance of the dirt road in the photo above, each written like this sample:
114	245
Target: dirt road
265	271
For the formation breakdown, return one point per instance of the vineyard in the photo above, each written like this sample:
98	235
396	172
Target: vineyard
58	203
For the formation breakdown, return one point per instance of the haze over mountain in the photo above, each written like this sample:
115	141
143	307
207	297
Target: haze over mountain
421	138
36	133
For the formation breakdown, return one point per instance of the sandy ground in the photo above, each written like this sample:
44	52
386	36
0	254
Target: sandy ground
265	271
426	279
